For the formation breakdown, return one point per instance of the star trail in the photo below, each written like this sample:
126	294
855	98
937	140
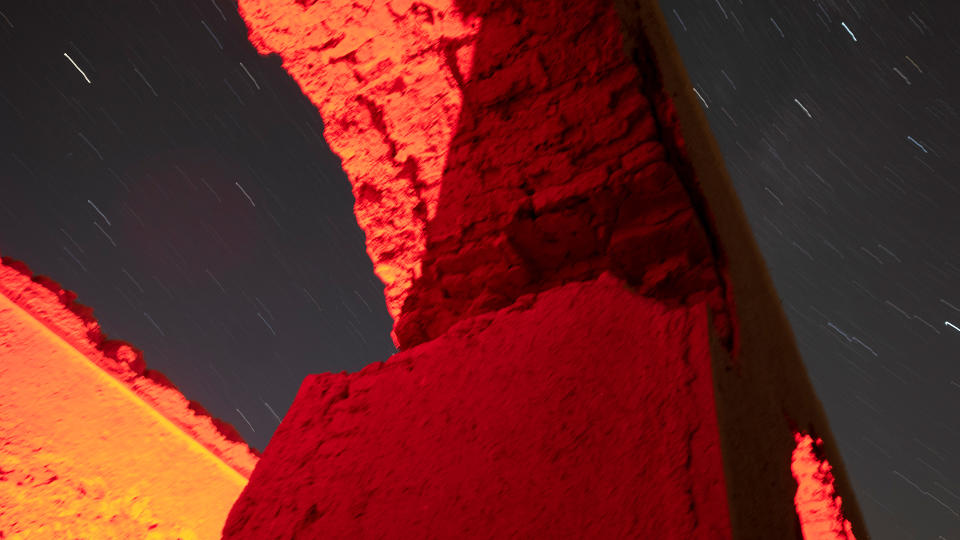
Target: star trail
840	135
154	163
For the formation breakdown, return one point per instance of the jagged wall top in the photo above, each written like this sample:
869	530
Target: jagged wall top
58	310
385	77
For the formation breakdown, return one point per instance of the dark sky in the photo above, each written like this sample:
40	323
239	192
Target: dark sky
186	193
843	146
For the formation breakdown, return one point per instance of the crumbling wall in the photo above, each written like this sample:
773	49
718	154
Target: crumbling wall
92	444
591	344
548	214
57	309
492	159
508	425
763	394
819	507
385	77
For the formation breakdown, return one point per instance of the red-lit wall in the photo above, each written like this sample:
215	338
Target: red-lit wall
510	424
591	343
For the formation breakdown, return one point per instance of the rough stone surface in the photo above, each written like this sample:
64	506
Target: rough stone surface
535	164
762	390
509	425
385	77
57	309
570	152
561	250
93	445
818	505
556	173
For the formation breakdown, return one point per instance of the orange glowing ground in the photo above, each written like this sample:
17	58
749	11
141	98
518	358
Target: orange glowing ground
82	456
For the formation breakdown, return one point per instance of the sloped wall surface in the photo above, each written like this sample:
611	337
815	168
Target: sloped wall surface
57	309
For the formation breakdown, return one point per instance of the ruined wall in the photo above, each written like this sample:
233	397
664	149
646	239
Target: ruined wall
763	394
92	444
57	309
819	507
513	164
592	346
508	425
385	78
491	159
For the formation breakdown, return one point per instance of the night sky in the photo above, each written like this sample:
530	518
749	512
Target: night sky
186	193
838	121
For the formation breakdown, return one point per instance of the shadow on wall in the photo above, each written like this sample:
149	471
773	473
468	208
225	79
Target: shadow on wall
556	172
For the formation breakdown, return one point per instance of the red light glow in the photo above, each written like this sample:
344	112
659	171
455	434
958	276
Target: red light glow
818	505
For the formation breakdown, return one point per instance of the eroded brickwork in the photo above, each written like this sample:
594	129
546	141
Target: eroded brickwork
565	210
556	173
93	444
490	158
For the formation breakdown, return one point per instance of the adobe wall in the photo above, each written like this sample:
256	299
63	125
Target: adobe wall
92	444
57	309
522	170
508	425
763	387
492	159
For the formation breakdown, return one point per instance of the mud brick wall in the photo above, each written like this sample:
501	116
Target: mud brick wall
503	154
489	158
